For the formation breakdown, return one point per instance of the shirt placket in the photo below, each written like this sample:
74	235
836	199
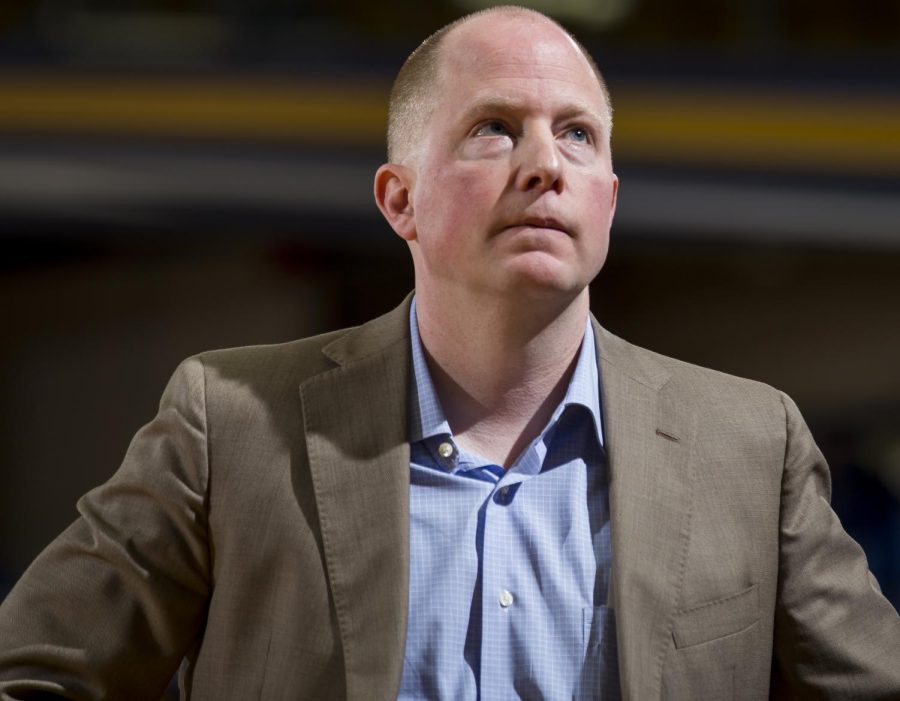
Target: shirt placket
504	611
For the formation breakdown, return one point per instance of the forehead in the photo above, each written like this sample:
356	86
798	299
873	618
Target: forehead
494	51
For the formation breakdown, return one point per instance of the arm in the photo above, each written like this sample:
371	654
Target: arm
110	607
836	636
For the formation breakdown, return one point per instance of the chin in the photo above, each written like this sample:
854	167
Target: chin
548	278
545	288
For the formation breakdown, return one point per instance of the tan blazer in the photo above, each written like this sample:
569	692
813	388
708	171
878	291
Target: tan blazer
258	528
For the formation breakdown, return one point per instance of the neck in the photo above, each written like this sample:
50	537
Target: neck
500	367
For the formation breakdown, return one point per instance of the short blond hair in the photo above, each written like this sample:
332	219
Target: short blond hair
412	96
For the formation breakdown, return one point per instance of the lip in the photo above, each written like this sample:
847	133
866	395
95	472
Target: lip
540	223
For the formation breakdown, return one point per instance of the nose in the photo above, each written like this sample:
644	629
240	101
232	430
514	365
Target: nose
539	165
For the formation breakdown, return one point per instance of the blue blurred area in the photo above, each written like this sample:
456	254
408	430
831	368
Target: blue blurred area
871	515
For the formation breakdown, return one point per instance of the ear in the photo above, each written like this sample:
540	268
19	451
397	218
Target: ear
393	195
615	196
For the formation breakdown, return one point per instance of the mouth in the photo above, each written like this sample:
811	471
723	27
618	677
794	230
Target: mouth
540	223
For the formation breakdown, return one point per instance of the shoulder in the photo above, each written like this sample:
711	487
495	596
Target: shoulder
657	370
290	362
717	399
269	370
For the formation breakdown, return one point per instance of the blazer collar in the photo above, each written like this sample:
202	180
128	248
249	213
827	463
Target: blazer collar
649	441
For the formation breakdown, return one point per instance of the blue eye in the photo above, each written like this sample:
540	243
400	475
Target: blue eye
492	129
579	134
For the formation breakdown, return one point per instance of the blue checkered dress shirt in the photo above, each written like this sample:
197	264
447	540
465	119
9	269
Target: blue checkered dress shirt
509	570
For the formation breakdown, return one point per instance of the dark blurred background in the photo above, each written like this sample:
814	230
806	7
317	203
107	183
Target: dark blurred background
179	175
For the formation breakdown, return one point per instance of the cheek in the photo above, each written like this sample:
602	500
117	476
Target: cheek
469	185
456	201
602	202
598	214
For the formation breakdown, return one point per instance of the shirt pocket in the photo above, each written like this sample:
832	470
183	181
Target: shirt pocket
717	618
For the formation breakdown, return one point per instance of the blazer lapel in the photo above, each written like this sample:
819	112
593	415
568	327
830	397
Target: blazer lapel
356	430
648	438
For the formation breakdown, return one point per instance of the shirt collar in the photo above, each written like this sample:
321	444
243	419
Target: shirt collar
427	418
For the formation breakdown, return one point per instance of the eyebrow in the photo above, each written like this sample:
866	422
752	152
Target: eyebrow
502	105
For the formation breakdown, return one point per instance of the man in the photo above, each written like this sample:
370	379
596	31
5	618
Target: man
482	494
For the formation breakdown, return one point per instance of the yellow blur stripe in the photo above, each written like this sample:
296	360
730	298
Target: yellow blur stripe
736	127
768	129
256	110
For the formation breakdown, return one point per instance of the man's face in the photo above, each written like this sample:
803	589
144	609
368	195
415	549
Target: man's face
513	186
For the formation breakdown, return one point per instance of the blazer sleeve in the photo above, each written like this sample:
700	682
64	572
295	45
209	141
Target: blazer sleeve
109	608
836	636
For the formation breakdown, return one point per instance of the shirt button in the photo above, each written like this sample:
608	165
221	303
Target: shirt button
506	599
503	492
445	450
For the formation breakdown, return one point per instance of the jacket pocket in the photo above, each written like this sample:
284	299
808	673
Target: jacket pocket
717	618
